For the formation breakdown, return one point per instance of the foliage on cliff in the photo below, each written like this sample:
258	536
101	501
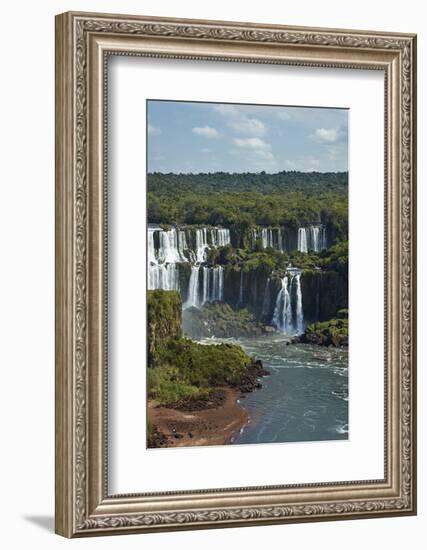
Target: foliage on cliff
334	258
187	370
164	319
164	311
328	333
181	369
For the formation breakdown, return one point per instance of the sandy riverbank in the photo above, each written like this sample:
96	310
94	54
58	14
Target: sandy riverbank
212	426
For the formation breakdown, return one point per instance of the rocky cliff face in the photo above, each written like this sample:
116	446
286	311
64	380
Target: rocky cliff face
324	294
164	309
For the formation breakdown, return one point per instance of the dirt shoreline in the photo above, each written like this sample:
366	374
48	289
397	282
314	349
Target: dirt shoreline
212	422
213	426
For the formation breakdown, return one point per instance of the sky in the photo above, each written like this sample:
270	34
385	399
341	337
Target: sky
189	137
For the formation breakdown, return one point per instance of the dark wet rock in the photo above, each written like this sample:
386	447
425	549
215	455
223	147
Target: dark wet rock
158	440
250	378
327	333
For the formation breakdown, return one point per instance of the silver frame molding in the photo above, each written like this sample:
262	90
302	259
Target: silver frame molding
83	43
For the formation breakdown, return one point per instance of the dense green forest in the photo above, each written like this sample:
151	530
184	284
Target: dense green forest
259	182
286	199
334	258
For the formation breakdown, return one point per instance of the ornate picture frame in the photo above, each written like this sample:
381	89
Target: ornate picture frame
84	42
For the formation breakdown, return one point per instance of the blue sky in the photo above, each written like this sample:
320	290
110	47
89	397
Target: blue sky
209	137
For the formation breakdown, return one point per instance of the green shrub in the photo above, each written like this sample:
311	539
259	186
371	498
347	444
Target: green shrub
187	370
163	304
333	332
166	386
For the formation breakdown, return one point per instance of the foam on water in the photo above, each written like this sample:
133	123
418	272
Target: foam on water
305	398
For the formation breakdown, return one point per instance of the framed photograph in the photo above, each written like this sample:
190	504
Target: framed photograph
235	274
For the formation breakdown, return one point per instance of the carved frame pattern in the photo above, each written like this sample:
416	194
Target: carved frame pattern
75	514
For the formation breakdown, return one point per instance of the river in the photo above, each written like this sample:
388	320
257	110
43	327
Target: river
305	398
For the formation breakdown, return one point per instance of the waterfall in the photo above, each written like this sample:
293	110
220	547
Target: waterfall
282	316
282	241
288	313
168	252
264	237
163	276
312	238
254	237
206	285
162	269
193	288
220	237
323	239
201	244
221	283
299	312
173	244
168	249
271	237
151	251
213	286
267	237
182	244
315	238
302	239
217	287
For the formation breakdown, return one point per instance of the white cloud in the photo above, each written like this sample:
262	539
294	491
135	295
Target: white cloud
304	164
206	150
154	130
283	115
250	126
226	110
265	155
207	132
238	120
252	143
326	135
333	153
255	152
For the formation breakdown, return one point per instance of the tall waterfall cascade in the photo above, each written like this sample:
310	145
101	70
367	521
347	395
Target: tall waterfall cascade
162	270
178	260
166	249
309	238
206	285
288	315
312	238
270	237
